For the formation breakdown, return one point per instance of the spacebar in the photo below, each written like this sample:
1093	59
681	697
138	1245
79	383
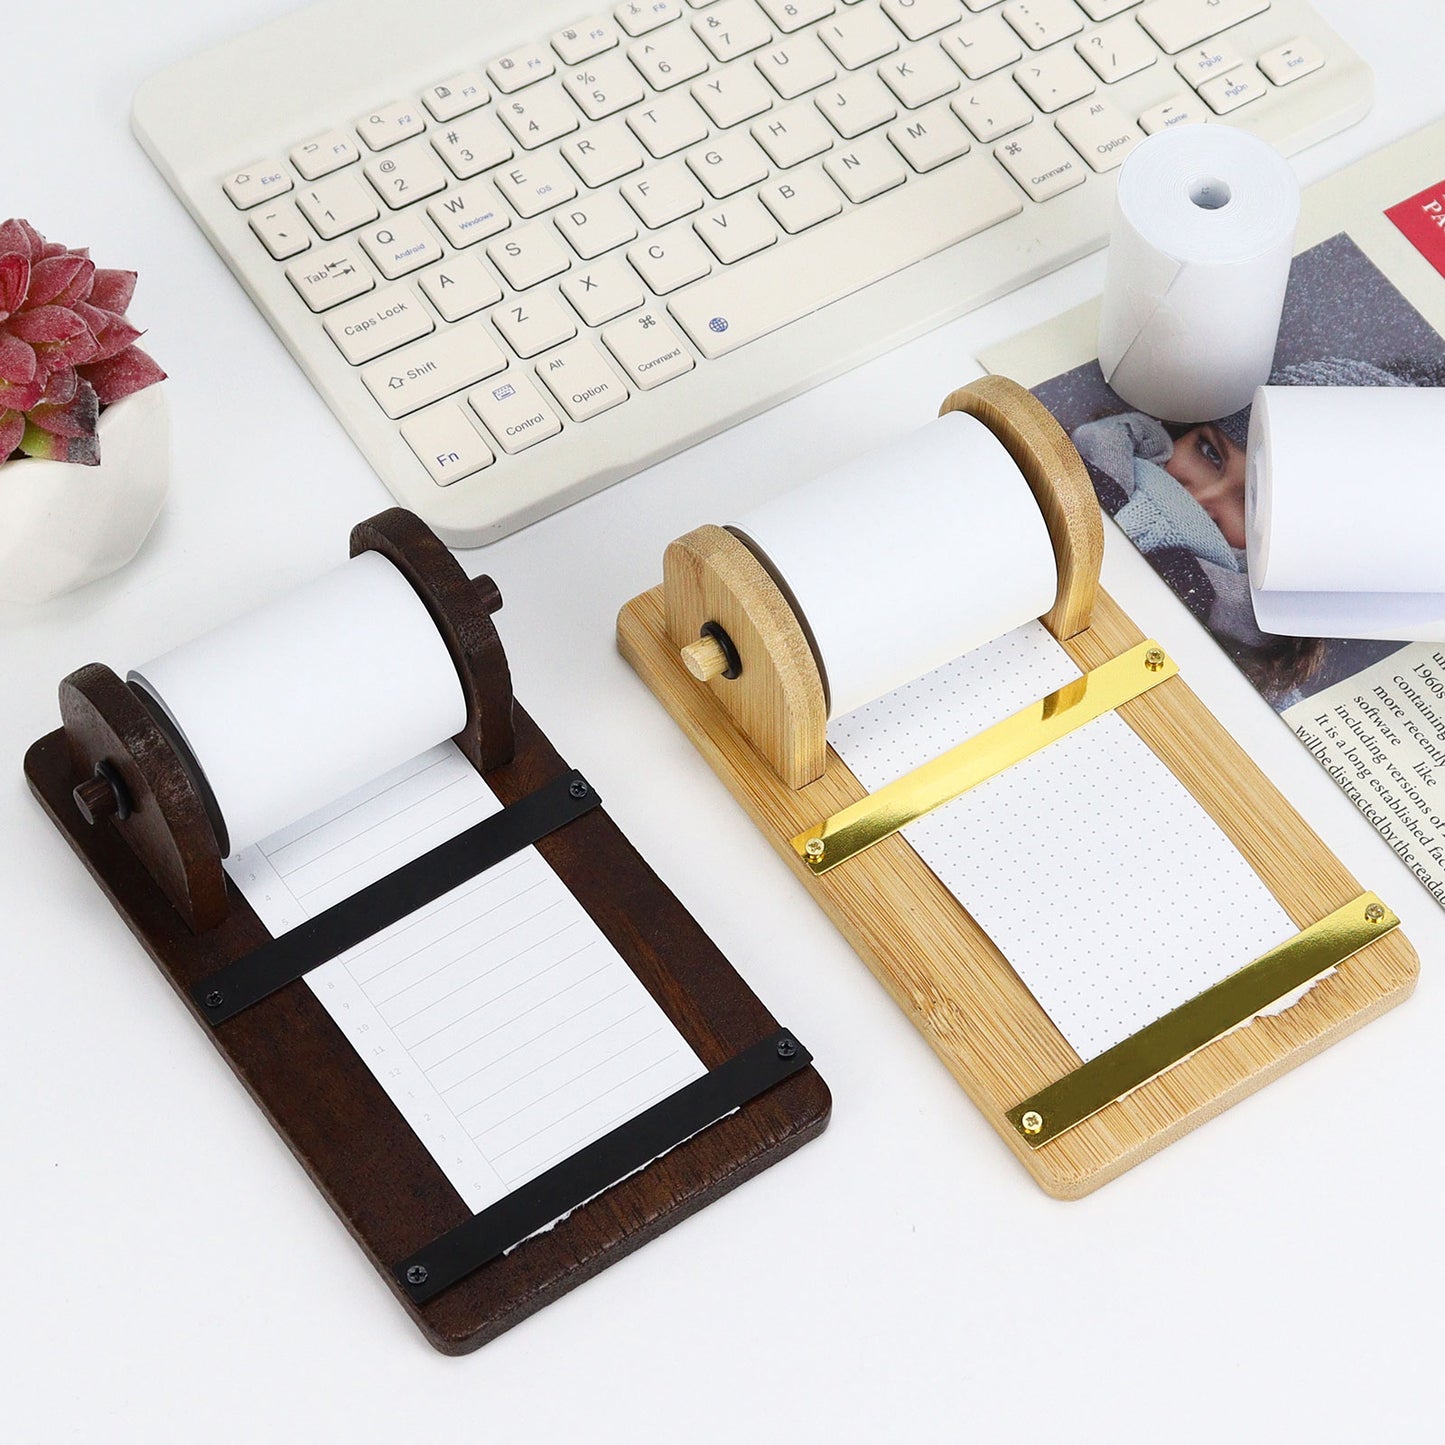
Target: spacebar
779	285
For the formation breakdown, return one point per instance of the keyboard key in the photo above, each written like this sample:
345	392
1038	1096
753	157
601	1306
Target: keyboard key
1181	109
596	224
641	16
668	124
603	154
1286	63
790	15
581	380
539	115
327	278
665	193
648	349
1106	9
859	37
1117	50
604	290
378	323
992	109
1042	22
919	76
468	214
1178	24
1039	160
401	245
728	164
338	204
1226	93
743	302
323	154
670	260
918	18
256	183
982	47
280	230
585	39
520	67
1055	80
1203	62
737	228
534	323
514	412
732	96
472	145
803	199
1100	132
427	370
536	184
529	255
866	169
460	286
388	125
669	59
446	443
455	96
406	174
930	138
794	135
733	28
858	104
796	66
604	87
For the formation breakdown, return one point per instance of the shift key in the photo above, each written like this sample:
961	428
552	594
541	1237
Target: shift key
428	370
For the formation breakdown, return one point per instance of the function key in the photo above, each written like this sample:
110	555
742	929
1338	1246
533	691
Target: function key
388	124
639	16
256	183
521	67
585	39
323	154
456	95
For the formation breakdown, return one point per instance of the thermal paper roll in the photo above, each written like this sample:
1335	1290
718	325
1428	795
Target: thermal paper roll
1199	257
908	556
305	699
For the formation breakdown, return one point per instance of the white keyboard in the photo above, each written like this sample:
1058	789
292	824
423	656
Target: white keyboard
524	254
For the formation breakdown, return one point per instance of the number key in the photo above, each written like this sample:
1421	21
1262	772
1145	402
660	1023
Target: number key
406	175
338	205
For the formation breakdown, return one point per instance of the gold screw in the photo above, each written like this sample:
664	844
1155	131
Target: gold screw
1154	659
1375	912
814	849
1032	1122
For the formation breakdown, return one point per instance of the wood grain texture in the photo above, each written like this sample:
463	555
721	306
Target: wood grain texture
1060	483
959	990
350	1138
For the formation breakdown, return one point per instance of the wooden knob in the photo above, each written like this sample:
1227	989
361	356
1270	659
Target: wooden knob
488	594
705	658
97	798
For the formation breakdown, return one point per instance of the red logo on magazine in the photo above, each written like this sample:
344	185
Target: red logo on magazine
1422	220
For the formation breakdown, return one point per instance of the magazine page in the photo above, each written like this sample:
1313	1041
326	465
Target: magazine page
1365	307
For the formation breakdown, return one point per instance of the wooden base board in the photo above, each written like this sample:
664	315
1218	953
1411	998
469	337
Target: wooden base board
959	990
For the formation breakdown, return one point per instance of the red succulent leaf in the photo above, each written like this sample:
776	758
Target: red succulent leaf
23	397
61	388
22	238
12	428
14	283
112	290
63	280
112	333
35	442
76	419
47	325
17	359
132	370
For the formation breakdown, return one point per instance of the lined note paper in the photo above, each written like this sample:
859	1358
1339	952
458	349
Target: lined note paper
501	1022
1111	892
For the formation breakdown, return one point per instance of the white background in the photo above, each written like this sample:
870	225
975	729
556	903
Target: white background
172	1274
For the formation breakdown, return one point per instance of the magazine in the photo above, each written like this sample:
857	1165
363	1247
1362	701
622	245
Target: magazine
1365	307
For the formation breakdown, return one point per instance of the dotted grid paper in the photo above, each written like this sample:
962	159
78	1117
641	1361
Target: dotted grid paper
1108	888
502	1024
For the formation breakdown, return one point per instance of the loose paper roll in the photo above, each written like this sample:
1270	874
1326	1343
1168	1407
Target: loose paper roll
1199	258
908	556
1342	513
307	698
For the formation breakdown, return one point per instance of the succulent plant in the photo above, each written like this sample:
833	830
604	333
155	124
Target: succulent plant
66	348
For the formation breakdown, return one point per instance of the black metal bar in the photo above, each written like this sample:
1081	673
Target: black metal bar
604	1162
283	960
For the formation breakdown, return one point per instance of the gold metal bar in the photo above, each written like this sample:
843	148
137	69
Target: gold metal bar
1010	741
1184	1031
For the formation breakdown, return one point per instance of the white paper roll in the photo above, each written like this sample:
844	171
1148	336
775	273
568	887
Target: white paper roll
1199	257
305	699
909	556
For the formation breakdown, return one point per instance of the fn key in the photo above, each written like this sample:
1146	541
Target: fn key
446	443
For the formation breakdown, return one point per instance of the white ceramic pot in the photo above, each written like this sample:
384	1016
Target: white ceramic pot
63	525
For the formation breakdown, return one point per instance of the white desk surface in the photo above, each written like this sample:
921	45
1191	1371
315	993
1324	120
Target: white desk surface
173	1275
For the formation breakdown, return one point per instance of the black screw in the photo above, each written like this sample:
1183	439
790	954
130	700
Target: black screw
215	998
578	788
416	1274
787	1049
